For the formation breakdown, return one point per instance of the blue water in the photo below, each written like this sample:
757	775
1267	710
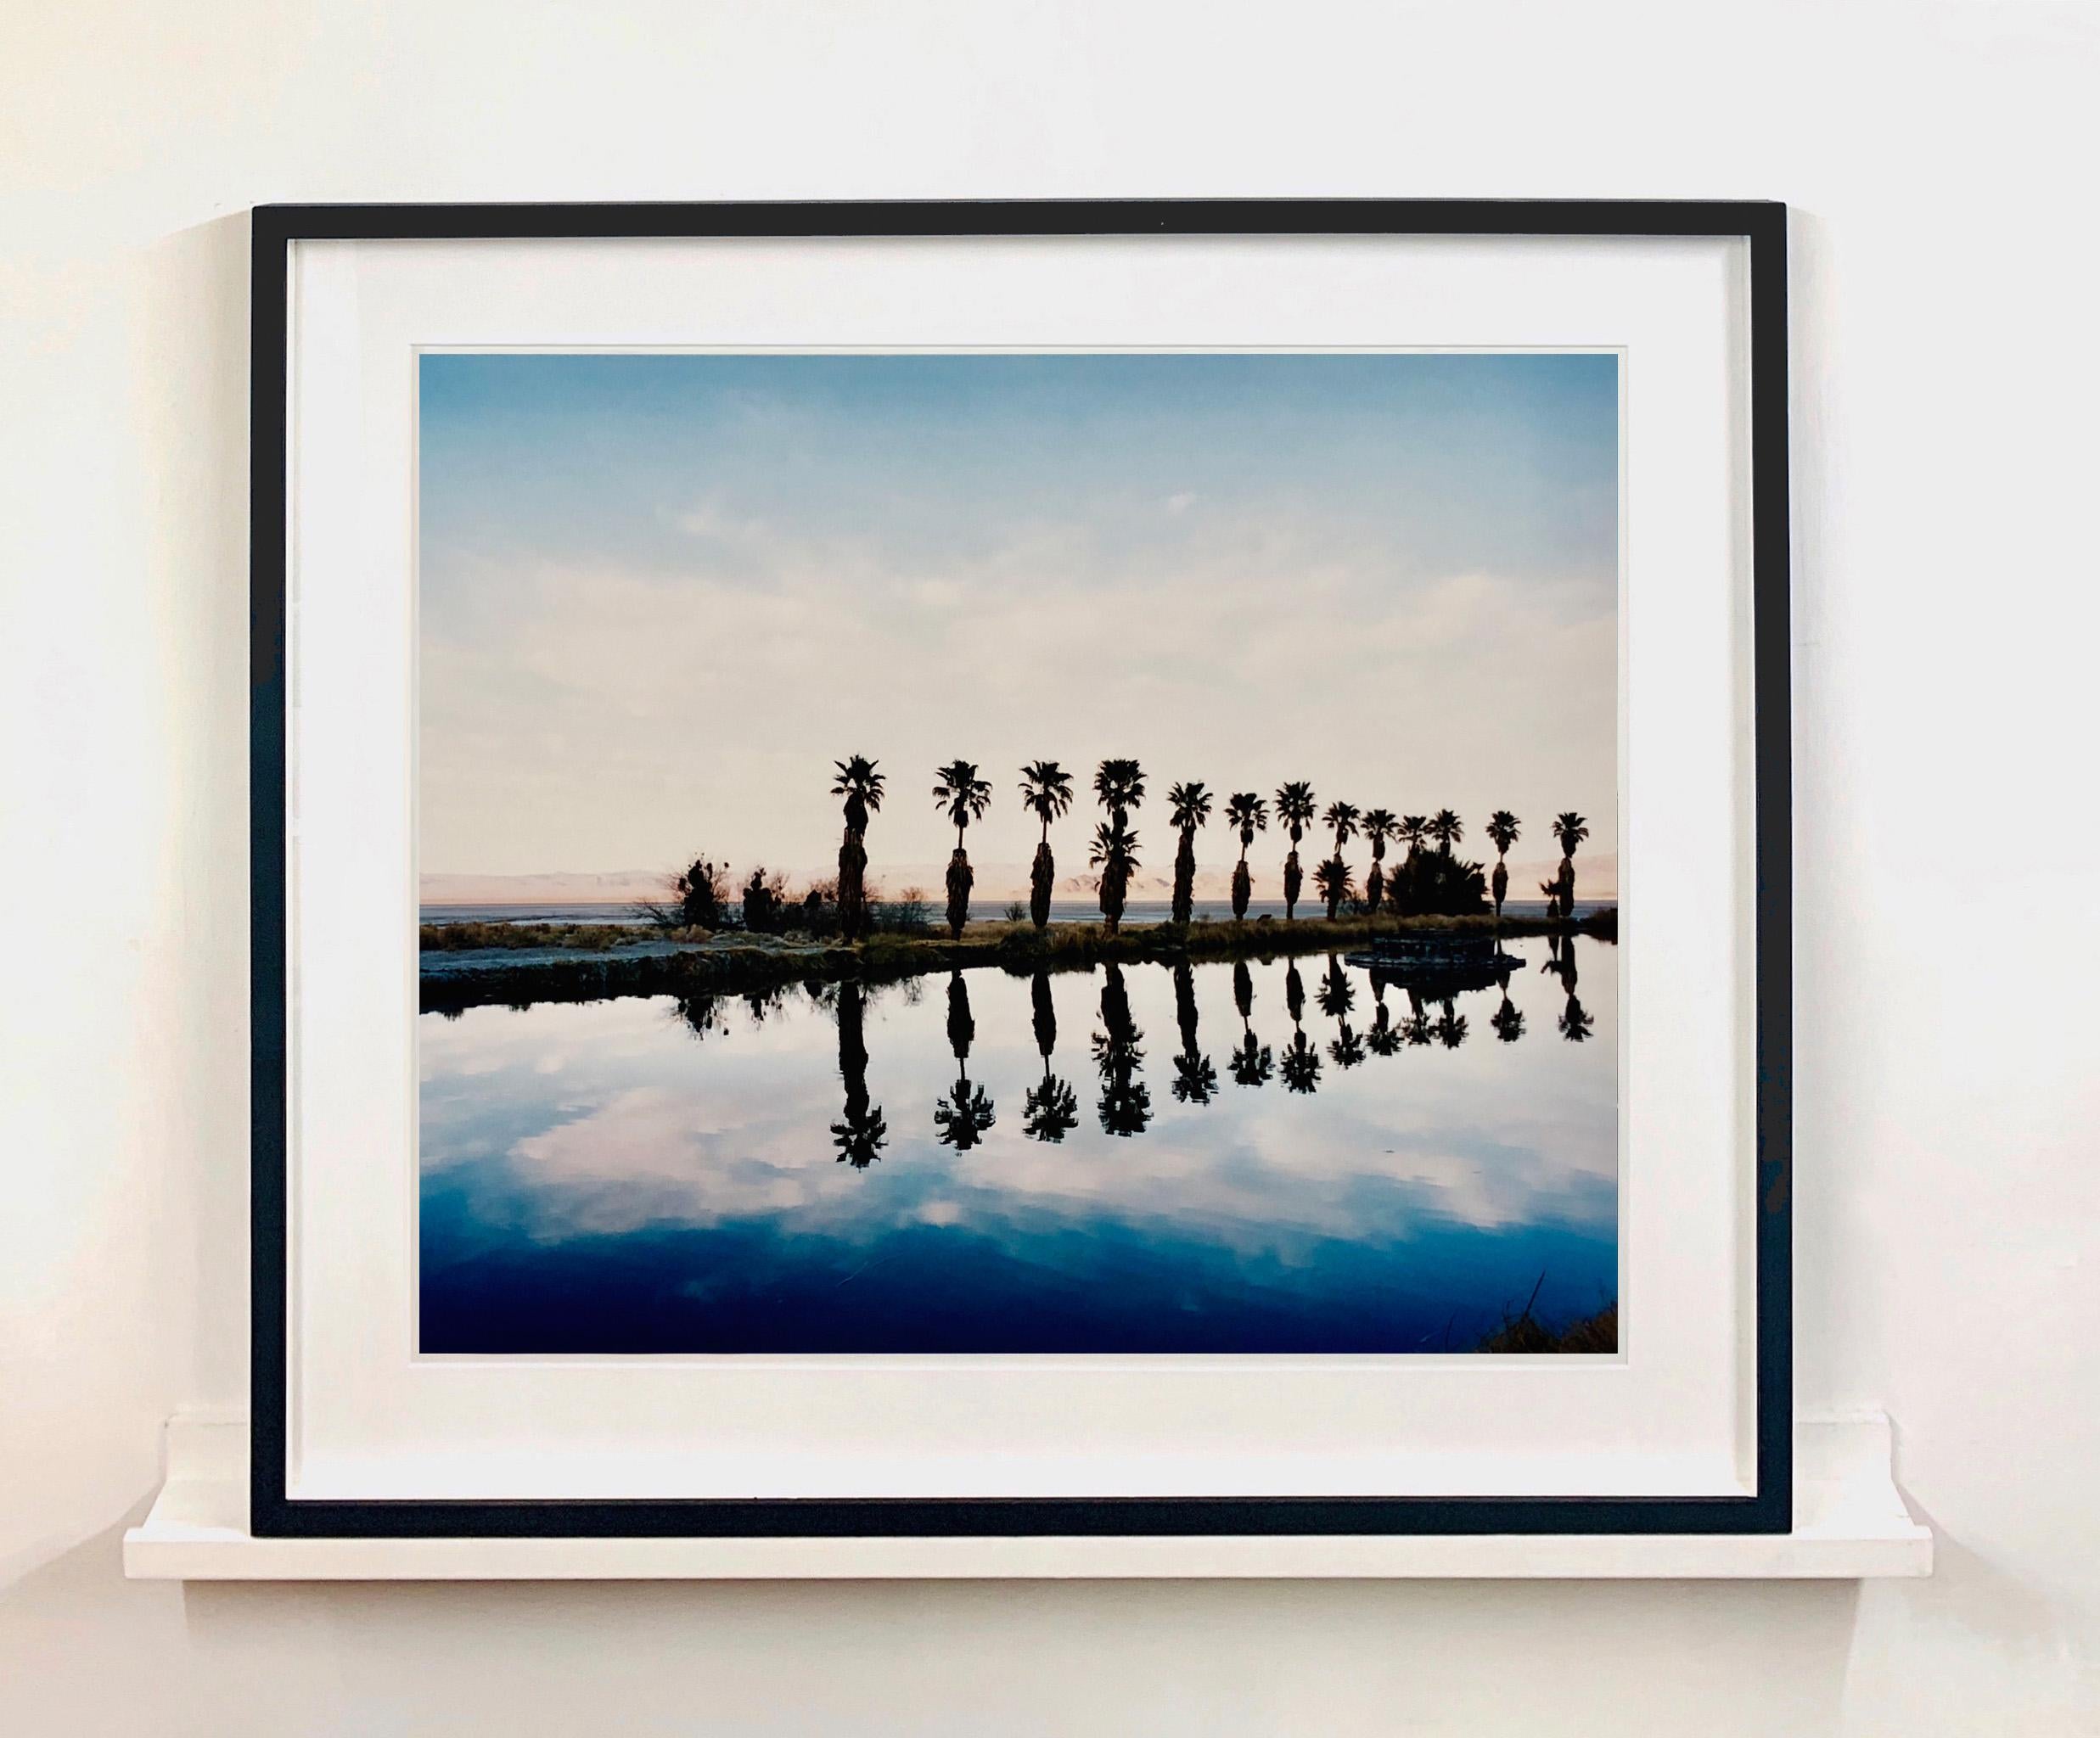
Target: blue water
638	1176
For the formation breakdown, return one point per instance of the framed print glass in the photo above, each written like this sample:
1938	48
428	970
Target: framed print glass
1027	869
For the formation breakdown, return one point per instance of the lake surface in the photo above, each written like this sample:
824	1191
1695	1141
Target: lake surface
839	1170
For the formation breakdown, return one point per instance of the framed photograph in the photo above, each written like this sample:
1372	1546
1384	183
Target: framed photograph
1027	869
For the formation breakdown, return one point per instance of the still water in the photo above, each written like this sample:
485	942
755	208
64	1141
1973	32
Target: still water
1287	1156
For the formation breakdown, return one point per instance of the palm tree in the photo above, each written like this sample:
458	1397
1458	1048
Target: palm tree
1253	1062
1502	828
1189	807
1195	1080
1570	829
1293	810
1046	788
1337	997
1451	1027
862	1134
1508	1021
1119	787
1125	1106
1383	1039
1447	829
1248	814
963	1117
1335	884
1378	826
1413	830
1052	1107
861	785
1115	854
1342	818
965	797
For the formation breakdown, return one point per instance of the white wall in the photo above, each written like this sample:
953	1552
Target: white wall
1940	161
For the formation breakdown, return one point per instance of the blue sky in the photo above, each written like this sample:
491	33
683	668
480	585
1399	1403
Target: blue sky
661	593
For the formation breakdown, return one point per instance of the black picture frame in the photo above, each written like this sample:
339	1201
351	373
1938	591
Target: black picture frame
274	1514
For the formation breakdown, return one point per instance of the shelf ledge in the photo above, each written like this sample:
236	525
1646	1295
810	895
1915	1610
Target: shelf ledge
1849	1523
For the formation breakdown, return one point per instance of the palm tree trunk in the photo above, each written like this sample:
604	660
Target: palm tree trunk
1114	884
1502	888
852	875
1293	878
1185	878
1041	879
1243	888
1374	886
1567	886
959	879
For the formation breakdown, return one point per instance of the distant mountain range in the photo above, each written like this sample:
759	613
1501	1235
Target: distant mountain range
1596	878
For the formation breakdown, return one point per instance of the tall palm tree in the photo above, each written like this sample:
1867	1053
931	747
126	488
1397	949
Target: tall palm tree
1052	1107
1570	829
1335	884
1115	854
1378	826
965	797
1447	829
861	785
1119	787
1195	1080
1047	790
1293	810
1413	830
1247	815
1189	807
962	1118
862	1134
1502	828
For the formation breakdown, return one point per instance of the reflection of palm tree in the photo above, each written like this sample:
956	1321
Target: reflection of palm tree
965	797
1115	854
861	1134
1189	807
861	785
1246	813
1253	1062
1378	826
1570	829
1451	1027
1301	1060
1125	1106
1046	789
1338	999
1576	1024
1383	1039
1502	828
1293	810
1052	1108
702	1013
1508	1021
963	1117
1417	1030
1194	1079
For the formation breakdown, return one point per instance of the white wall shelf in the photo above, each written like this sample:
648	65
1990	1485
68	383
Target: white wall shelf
1849	1522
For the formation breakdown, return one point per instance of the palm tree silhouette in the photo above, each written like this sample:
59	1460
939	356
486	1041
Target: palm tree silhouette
1293	810
1189	807
1046	789
962	1119
1508	1021
1337	996
1384	1038
1502	828
1402	889
1570	829
1301	1059
965	797
1052	1107
861	1133
1115	854
1378	826
861	785
1417	1030
1253	1062
1447	829
1119	787
1125	1106
1335	884
1195	1080
1248	814
1451	1027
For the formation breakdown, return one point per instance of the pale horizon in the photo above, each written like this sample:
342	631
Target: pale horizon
661	595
